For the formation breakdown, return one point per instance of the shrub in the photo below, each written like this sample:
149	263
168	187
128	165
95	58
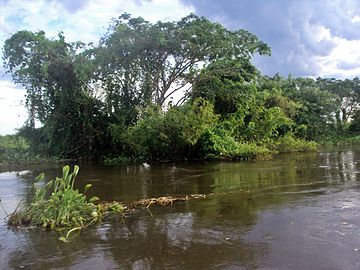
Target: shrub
288	143
169	135
14	148
217	144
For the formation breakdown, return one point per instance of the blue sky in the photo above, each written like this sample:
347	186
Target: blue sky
307	37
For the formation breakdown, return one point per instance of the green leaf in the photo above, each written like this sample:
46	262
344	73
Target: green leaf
40	177
49	184
66	170
94	199
76	170
87	187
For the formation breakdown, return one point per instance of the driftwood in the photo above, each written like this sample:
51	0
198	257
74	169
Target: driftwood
167	200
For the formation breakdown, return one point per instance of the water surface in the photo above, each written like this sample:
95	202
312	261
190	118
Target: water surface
298	211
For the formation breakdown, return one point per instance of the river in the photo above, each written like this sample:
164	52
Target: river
297	211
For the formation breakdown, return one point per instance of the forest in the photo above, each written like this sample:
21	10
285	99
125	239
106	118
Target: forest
168	91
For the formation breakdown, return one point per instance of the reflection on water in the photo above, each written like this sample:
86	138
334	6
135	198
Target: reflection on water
298	211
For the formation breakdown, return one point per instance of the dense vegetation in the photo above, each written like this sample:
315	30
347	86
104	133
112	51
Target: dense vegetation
13	148
116	100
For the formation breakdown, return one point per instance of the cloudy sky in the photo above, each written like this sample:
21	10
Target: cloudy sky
307	37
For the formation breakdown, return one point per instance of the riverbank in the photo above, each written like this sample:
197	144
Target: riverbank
233	151
15	153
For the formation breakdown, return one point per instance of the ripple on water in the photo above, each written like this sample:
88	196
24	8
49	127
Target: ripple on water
298	211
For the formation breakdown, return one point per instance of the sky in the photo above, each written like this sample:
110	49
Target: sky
308	38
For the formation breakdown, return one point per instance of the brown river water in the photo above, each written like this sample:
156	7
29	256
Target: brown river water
297	211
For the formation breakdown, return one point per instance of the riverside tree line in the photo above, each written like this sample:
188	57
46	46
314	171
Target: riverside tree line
114	100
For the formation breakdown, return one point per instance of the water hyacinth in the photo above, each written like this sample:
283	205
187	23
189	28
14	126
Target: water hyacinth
57	205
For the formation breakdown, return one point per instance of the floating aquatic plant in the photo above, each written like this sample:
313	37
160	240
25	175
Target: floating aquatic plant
58	205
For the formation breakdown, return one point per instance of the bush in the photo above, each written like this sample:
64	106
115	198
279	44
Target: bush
217	144
14	148
288	143
169	135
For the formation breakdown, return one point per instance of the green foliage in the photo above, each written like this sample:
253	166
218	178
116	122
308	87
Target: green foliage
217	144
226	84
262	124
255	121
78	91
171	135
15	149
110	99
276	98
252	113
189	122
341	139
350	140
147	139
288	143
55	75
316	109
11	147
141	63
58	205
347	93
119	160
355	123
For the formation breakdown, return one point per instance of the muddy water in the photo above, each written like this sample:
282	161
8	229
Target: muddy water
298	211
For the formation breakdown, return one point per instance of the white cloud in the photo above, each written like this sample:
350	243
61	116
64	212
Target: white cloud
343	61
86	24
356	19
12	113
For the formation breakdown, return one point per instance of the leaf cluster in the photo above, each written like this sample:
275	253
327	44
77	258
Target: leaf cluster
58	205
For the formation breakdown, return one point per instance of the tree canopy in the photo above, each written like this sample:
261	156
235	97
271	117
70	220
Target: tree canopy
115	98
140	63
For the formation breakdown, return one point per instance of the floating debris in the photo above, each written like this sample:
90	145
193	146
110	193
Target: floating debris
166	200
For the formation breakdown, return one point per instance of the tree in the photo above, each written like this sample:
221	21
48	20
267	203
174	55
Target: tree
142	63
227	84
55	75
315	116
348	94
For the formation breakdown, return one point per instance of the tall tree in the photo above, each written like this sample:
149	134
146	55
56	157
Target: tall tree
348	93
55	76
227	84
317	105
144	62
